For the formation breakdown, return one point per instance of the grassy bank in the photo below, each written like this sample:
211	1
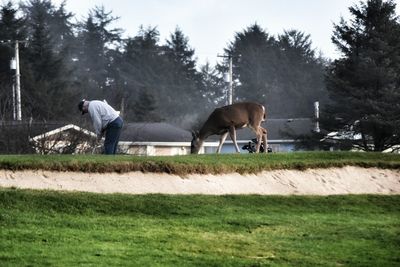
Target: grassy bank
242	163
44	228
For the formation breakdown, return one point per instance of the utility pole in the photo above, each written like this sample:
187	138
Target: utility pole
228	77
316	117
13	102
17	81
16	87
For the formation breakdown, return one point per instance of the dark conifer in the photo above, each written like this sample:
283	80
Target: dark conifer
364	83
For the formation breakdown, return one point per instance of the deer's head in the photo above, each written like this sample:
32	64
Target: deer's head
196	143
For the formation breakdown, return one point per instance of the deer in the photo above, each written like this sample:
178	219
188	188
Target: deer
226	120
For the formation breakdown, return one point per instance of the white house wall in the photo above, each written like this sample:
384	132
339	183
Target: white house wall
183	148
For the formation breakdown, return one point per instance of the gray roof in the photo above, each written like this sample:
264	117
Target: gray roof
154	132
278	129
288	128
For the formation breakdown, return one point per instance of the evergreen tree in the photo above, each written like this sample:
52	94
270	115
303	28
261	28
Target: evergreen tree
253	53
46	81
364	84
182	55
168	73
145	108
142	71
213	87
143	59
11	29
183	80
96	53
62	31
300	73
282	73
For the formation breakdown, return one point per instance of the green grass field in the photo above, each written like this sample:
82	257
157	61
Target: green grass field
46	228
242	163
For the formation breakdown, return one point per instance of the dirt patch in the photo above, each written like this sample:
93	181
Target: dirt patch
331	181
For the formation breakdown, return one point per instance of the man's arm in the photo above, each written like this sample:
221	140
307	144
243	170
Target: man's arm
100	136
96	119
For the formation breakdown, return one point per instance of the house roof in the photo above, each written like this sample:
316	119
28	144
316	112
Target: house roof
61	129
277	129
288	128
154	132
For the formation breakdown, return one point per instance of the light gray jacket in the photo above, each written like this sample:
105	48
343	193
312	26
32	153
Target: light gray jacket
102	114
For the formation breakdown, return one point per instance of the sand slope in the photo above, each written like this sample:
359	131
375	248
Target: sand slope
347	180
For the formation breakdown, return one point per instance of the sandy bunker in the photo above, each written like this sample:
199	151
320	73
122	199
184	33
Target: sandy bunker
331	181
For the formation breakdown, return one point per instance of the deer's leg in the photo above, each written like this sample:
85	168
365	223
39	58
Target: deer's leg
264	139
221	142
232	133
261	134
258	130
259	137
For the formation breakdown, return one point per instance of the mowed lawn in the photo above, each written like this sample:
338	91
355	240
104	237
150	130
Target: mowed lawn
202	164
47	228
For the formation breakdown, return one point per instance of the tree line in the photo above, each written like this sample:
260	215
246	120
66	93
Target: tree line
63	60
140	75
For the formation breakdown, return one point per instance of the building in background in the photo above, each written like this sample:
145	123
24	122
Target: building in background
164	139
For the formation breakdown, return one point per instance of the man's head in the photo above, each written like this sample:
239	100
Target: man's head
83	106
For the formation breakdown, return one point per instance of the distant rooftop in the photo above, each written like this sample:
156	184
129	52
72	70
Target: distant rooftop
278	129
154	132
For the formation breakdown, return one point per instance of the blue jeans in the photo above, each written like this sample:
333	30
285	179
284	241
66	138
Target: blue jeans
113	131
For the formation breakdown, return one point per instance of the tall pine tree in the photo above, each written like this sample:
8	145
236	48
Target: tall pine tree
183	80
98	40
282	73
253	52
11	29
142	73
46	82
364	84
300	74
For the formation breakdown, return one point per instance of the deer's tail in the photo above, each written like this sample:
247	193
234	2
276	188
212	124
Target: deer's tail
265	114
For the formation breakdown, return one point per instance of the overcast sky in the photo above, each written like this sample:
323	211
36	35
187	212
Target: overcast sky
211	24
